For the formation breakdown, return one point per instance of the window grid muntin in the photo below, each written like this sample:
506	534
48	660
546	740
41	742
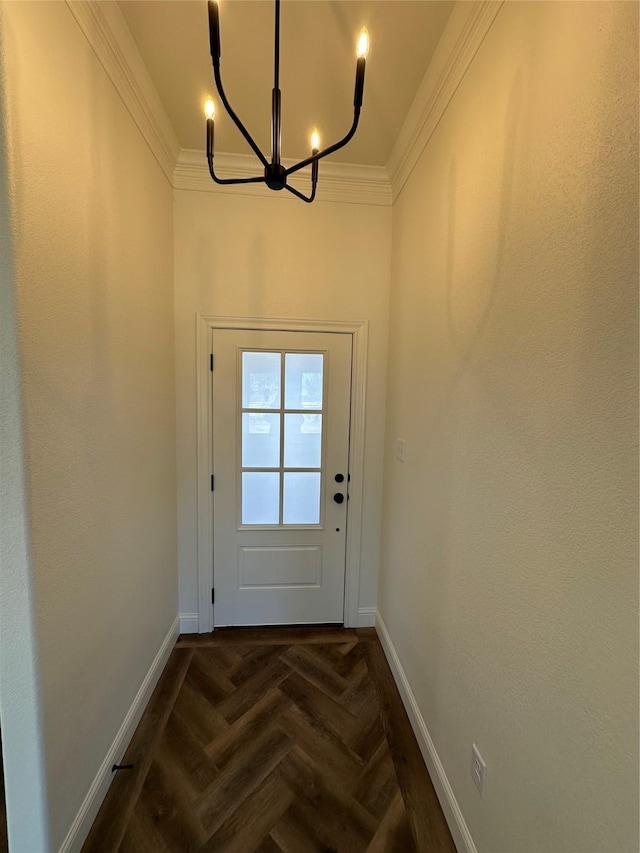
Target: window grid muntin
281	470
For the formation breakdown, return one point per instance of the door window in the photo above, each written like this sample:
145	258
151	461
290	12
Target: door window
282	439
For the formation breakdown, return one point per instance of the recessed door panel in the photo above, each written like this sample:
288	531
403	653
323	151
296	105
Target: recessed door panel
279	566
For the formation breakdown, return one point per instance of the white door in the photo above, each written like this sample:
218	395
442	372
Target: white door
281	408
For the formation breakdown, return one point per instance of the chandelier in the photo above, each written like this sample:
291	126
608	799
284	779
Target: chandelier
275	174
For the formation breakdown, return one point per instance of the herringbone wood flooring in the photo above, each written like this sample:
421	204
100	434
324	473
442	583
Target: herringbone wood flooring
270	740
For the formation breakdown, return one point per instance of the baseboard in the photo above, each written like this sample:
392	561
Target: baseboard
452	812
366	617
189	623
89	809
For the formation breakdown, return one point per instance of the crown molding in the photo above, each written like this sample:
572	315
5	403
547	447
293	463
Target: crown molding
338	182
108	34
465	31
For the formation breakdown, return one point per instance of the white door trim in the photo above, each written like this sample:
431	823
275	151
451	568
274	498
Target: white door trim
359	329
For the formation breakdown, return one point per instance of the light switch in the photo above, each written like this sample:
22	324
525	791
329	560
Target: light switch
400	449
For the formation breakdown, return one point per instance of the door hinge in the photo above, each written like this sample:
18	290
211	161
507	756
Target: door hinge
211	361
212	480
213	596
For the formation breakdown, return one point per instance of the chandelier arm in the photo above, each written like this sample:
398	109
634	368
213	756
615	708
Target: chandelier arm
238	123
308	199
326	151
256	180
314	183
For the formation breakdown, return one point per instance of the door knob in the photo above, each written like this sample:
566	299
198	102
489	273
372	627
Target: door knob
339	478
338	497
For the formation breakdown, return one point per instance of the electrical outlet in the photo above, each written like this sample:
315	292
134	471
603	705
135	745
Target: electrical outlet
478	770
400	449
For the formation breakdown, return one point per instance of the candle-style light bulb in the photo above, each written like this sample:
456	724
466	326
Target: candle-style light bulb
315	148
362	49
210	111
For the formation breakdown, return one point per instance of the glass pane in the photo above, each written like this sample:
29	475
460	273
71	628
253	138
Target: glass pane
260	440
302	441
302	498
303	380
260	498
261	380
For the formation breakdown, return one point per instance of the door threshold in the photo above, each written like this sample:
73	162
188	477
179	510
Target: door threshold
277	625
276	635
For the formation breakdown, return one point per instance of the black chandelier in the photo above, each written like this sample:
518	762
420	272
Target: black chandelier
275	175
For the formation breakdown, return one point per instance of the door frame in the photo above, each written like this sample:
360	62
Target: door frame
359	331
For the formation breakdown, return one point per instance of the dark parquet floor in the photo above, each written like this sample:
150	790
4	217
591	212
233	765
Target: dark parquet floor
273	740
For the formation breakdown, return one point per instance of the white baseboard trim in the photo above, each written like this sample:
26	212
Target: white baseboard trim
189	623
366	617
452	812
89	809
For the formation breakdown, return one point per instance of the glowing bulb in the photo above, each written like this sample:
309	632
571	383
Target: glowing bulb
209	108
315	141
362	50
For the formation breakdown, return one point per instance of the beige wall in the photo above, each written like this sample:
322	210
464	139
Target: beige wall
20	714
92	223
509	563
238	255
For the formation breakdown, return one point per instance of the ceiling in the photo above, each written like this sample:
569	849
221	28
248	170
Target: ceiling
317	68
